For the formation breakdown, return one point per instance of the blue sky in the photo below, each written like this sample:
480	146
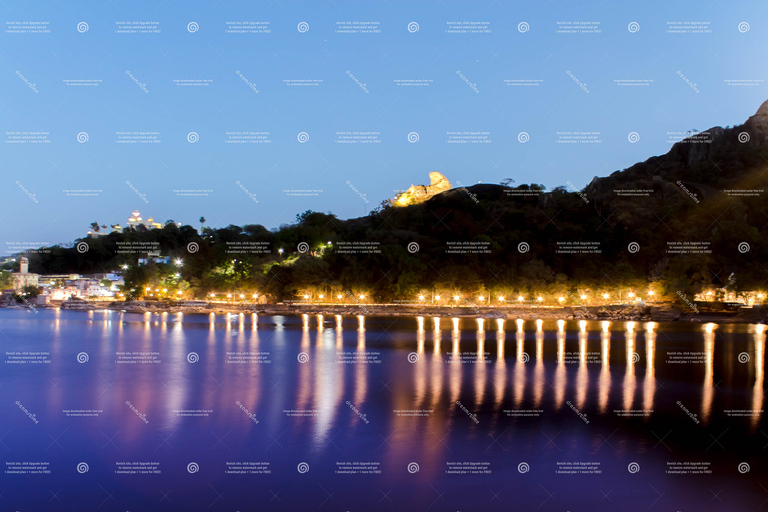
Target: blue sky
247	183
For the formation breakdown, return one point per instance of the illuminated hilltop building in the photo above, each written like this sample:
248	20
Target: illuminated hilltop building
134	221
419	193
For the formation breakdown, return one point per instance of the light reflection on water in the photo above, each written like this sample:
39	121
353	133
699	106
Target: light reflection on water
490	366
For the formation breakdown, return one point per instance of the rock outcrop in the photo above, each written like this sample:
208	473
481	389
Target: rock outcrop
420	193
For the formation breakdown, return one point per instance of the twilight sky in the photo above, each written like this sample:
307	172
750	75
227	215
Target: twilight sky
242	80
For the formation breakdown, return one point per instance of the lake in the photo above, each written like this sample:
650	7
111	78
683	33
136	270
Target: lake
153	412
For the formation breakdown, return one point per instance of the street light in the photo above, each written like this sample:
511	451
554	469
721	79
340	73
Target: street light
560	299
338	296
583	297
320	296
456	298
179	262
437	297
540	299
605	295
280	250
421	297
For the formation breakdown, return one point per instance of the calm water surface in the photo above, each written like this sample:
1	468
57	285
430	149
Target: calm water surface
129	412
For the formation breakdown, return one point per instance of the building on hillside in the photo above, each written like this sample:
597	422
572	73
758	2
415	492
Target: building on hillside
23	277
154	257
135	221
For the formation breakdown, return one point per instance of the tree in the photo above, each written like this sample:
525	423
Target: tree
6	280
31	291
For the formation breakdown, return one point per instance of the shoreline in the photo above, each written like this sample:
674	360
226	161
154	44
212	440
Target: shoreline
652	313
